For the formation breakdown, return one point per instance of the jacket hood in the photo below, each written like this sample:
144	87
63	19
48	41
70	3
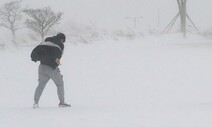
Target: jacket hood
55	40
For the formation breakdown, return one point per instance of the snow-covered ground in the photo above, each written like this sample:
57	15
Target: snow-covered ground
149	82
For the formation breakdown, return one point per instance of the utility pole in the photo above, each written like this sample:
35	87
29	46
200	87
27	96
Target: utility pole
182	10
134	19
158	16
183	16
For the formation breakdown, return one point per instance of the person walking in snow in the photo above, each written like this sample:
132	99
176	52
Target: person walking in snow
49	54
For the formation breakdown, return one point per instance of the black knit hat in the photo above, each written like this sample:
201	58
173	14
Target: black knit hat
61	36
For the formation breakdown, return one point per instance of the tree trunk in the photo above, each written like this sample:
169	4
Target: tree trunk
14	38
42	36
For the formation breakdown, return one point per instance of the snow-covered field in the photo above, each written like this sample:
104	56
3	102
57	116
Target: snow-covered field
141	83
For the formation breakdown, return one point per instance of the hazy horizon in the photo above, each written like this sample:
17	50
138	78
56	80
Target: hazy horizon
112	14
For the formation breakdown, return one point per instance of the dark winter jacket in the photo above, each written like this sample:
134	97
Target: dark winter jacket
48	51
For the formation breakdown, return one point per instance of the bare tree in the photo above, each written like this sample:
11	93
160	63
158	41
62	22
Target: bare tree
11	16
42	20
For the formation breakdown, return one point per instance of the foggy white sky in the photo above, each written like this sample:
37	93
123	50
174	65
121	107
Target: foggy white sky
113	13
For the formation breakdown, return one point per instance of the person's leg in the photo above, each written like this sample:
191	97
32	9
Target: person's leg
43	78
58	80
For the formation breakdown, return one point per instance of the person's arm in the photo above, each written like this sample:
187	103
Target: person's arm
58	57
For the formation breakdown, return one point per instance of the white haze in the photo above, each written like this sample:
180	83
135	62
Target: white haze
153	81
111	14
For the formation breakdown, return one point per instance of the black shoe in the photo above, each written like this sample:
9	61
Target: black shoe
64	105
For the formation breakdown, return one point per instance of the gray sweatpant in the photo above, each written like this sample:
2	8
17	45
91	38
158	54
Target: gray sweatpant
45	73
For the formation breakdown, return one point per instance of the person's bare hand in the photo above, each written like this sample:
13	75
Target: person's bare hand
57	61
